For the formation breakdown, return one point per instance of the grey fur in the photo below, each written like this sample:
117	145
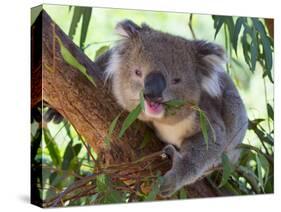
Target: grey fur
199	65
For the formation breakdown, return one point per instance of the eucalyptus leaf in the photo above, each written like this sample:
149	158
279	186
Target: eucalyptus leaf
203	126
254	50
227	169
270	111
101	51
154	189
142	101
71	60
77	14
87	11
176	103
259	168
133	115
237	29
52	148
111	129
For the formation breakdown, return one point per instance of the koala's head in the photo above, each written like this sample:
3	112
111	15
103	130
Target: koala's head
164	67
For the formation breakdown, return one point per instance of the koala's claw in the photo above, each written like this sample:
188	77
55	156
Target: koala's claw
170	151
168	187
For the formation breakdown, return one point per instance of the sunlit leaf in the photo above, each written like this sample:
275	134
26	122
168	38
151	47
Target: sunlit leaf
110	130
71	60
101	51
176	103
52	148
133	115
142	101
203	126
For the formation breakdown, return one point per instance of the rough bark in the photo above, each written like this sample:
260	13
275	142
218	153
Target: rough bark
91	109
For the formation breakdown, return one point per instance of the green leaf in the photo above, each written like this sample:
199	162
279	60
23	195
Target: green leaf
142	101
70	154
183	193
265	40
133	115
265	165
52	148
227	169
154	189
77	14
112	126
146	138
87	11
101	50
270	111
237	29
71	60
246	47
102	183
203	126
259	168
219	20
114	196
230	25
176	103
254	50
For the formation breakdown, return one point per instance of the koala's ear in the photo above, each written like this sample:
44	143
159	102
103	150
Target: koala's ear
127	29
210	58
210	52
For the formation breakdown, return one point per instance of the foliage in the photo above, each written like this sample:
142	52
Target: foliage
70	173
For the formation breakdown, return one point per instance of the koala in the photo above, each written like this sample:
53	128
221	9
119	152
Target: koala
166	67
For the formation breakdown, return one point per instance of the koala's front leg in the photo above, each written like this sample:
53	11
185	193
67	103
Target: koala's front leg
192	161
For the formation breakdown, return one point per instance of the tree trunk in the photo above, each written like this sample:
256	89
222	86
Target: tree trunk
88	108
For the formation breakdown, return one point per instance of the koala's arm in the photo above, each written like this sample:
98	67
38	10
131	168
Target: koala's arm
193	159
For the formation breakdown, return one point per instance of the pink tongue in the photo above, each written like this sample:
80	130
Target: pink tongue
154	106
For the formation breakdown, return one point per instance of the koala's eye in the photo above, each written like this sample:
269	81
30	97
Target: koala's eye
176	81
138	73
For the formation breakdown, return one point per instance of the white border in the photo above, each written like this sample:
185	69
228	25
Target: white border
15	98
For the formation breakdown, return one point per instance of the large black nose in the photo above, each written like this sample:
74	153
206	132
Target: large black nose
154	85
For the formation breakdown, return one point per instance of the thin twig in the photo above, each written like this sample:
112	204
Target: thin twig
191	27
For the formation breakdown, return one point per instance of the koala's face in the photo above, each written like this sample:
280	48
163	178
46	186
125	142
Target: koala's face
162	66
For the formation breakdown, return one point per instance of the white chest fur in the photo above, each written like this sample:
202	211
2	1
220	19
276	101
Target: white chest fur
174	134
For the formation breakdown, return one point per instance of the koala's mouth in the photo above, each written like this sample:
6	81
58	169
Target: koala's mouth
154	109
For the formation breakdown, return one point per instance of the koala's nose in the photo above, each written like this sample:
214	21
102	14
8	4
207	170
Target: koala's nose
154	85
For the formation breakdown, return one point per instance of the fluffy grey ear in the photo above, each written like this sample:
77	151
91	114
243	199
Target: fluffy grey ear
127	28
210	52
210	57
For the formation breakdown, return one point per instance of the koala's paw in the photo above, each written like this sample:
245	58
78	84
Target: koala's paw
168	186
170	151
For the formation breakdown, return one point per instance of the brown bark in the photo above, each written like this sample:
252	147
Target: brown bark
270	26
91	109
